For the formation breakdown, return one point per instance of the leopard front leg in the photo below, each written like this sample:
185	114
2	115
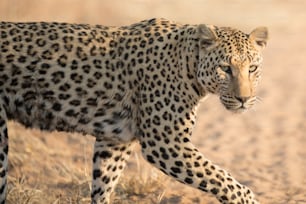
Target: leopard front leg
3	155
109	161
170	150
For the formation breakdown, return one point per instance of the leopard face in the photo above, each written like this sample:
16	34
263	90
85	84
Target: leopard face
231	64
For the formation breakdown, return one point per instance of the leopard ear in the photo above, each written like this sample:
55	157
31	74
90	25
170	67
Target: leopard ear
208	36
259	36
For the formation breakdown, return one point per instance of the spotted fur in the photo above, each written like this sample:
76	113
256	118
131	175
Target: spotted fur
141	83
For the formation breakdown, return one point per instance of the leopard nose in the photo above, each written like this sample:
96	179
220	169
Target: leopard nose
242	99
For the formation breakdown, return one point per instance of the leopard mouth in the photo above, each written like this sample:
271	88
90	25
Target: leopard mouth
239	109
237	106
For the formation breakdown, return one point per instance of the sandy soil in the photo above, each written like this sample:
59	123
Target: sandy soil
263	148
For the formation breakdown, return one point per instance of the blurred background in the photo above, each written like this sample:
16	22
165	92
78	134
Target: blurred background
264	148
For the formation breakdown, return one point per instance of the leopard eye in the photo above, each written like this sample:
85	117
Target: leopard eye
253	68
227	69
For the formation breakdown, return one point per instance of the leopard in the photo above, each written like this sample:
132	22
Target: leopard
140	83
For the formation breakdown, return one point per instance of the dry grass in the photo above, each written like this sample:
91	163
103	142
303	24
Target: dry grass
20	193
146	185
50	168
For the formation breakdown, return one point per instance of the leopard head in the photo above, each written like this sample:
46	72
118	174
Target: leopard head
230	64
